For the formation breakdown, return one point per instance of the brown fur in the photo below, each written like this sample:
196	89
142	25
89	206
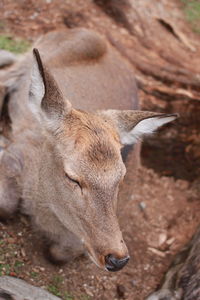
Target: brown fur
68	162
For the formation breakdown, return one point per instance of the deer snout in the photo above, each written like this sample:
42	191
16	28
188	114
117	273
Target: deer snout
110	258
114	264
115	257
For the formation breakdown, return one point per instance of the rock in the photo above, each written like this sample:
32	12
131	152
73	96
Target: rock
18	289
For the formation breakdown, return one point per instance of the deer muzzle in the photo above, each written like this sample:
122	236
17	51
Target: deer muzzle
114	264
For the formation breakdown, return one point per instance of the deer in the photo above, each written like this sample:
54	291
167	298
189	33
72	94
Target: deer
72	106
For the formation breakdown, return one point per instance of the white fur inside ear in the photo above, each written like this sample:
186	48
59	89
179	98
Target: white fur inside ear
145	127
37	89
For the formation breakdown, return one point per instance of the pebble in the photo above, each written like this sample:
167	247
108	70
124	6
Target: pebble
134	283
142	205
182	184
162	239
23	252
33	16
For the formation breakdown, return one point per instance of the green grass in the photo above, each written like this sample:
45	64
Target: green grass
54	290
192	12
17	266
57	280
13	45
67	296
4	269
33	274
55	286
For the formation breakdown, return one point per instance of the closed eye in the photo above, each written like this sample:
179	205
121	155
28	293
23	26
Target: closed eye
73	180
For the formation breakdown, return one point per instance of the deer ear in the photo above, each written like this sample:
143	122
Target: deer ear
45	96
133	125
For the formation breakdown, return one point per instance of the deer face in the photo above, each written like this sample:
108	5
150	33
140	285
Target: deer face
88	164
92	169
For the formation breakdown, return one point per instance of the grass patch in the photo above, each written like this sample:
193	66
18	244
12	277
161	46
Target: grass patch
18	266
13	45
33	274
55	286
67	296
57	280
4	269
54	290
192	12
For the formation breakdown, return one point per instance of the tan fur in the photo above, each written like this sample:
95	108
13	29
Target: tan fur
68	156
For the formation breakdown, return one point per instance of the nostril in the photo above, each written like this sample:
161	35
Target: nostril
114	264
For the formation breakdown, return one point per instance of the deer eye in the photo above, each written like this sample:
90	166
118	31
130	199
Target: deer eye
73	180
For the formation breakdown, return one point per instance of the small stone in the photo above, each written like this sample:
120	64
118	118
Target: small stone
142	205
23	252
182	184
33	16
146	267
162	239
134	283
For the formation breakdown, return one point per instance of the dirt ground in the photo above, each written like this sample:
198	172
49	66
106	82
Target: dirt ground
158	209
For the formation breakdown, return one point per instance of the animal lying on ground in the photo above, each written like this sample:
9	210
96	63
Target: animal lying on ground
182	281
71	107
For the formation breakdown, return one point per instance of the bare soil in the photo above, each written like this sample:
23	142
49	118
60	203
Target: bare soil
158	209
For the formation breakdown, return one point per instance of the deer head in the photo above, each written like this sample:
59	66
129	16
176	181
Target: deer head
87	164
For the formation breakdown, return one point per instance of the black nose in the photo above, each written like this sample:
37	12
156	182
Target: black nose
114	264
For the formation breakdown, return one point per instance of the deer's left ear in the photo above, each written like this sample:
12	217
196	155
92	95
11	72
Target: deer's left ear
45	96
133	125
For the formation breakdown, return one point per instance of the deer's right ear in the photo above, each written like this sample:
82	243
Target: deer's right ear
45	97
132	125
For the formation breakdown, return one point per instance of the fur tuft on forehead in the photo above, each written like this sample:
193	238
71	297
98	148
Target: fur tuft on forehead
93	135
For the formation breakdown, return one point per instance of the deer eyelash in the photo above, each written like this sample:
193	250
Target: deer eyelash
73	180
